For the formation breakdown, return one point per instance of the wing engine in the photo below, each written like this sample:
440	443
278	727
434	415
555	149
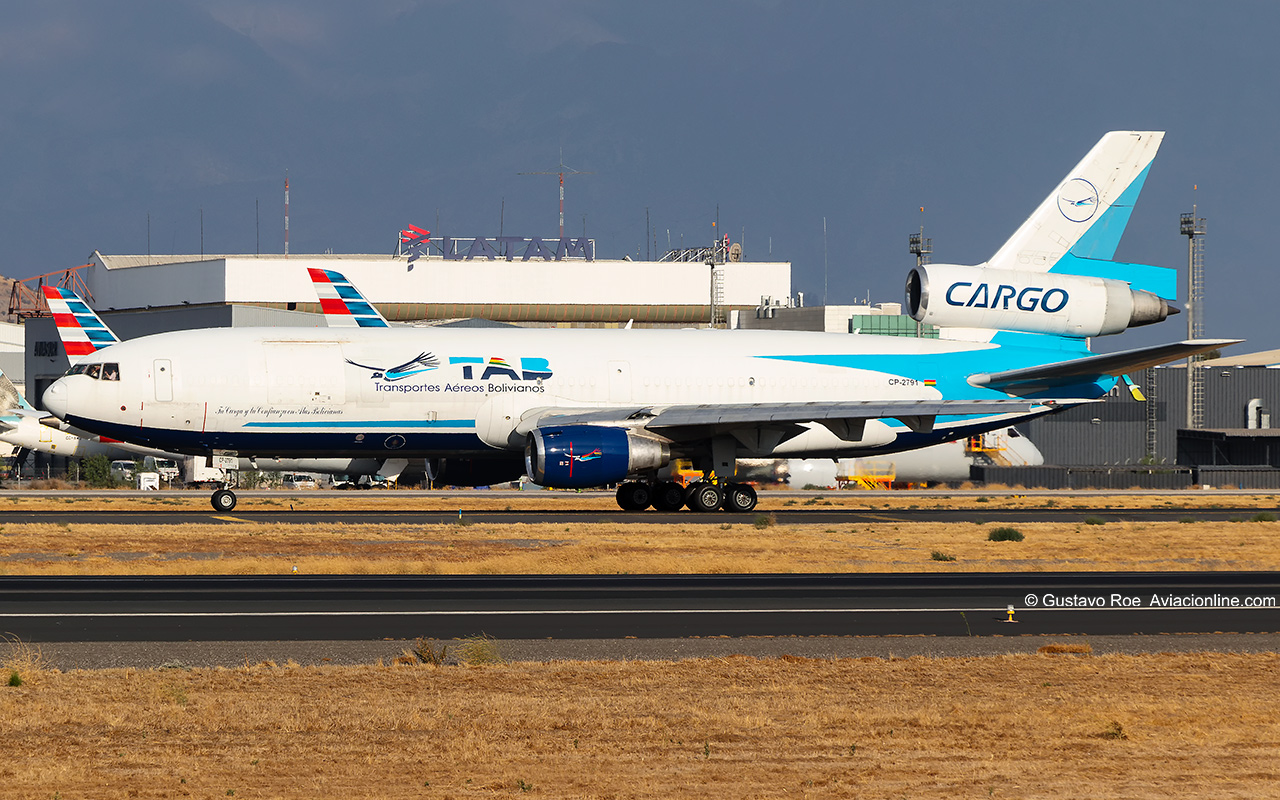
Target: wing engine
578	456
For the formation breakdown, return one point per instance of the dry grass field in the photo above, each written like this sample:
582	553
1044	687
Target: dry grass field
1151	726
1064	724
630	547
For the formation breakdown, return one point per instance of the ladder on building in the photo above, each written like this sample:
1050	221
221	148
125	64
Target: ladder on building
717	298
1152	428
1194	229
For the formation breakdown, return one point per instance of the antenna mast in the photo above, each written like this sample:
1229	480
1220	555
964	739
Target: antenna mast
286	213
561	171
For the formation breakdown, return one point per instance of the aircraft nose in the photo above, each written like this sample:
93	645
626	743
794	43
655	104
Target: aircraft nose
55	399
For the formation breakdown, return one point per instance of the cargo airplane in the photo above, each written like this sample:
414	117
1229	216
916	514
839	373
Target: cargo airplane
582	408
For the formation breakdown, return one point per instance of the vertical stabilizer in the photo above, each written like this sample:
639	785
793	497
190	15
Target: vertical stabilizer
10	397
1076	229
342	303
81	330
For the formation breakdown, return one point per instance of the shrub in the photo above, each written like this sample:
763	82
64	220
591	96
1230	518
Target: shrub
97	472
1005	535
479	650
426	651
1263	516
1094	521
938	555
25	662
766	520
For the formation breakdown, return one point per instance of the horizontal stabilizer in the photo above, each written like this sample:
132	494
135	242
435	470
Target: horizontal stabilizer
1081	370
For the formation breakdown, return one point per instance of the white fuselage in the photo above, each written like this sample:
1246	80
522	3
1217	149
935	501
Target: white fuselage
415	392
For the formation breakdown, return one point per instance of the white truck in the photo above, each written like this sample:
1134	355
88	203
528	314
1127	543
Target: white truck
198	472
167	468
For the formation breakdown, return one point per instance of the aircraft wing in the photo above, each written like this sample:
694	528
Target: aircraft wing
1066	373
845	419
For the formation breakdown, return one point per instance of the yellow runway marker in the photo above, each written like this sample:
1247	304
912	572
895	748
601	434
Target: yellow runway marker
230	519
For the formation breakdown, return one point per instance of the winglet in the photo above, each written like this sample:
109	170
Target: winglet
342	303
80	329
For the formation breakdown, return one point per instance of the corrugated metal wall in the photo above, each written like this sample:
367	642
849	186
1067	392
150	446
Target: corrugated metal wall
1114	431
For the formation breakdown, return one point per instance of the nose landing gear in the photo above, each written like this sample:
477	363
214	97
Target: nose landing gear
223	500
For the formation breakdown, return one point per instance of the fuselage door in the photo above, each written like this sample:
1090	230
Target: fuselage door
163	372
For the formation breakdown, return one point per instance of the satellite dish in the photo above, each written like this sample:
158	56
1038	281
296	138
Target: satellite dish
735	251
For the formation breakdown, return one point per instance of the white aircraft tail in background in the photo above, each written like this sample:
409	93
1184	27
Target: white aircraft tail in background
81	330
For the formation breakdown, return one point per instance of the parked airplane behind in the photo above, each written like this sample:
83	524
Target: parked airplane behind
578	408
946	462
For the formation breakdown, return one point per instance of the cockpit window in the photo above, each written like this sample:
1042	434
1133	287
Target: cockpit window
99	372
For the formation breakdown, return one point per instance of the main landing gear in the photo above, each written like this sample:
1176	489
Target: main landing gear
698	496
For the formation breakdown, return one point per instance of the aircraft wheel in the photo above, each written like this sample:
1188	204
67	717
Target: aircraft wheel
740	497
634	496
668	496
223	500
703	496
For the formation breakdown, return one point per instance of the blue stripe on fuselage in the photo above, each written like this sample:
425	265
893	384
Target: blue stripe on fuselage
293	442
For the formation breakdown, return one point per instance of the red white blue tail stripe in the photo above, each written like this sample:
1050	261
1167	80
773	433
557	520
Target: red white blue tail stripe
342	303
81	331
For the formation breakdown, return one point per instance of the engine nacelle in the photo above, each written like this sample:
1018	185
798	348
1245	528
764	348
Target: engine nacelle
474	471
578	456
1033	302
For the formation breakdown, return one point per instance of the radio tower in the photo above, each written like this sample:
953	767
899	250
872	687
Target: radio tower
561	171
286	213
1193	228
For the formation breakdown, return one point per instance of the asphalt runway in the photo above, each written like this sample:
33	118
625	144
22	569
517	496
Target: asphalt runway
95	622
221	608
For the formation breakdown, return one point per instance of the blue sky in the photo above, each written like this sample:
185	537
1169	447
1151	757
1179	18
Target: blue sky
773	115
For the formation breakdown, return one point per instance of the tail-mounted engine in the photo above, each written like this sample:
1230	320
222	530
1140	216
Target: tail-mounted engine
1033	302
578	456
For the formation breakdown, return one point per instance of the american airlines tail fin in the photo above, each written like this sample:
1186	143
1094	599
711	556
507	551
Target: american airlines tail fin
1076	229
82	332
342	303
